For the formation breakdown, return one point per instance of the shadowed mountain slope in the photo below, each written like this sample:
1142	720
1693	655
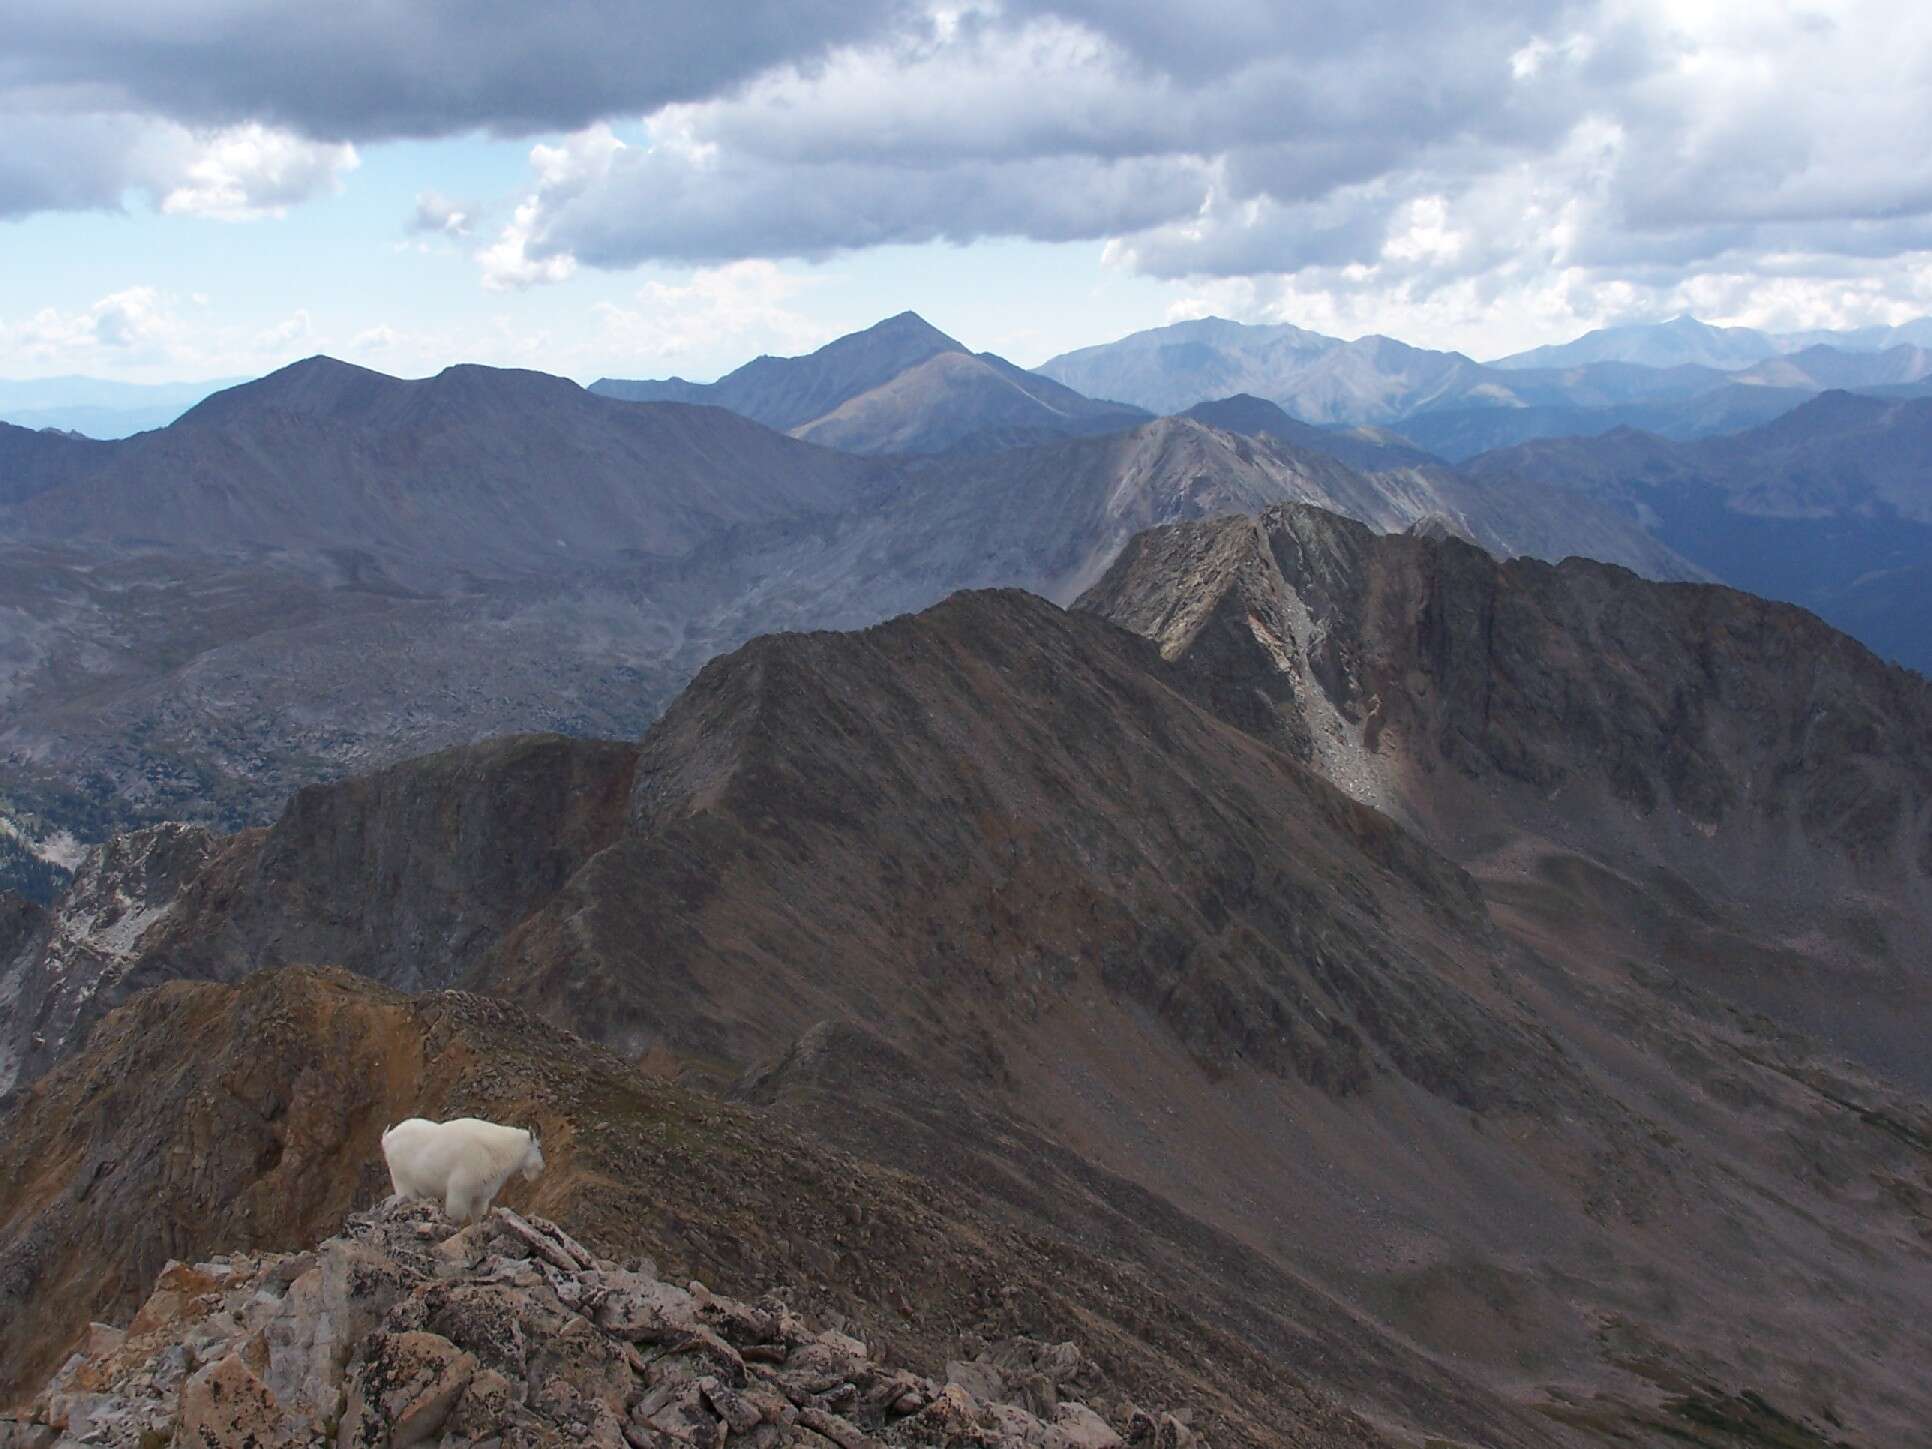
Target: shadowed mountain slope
473	468
1367	449
1695	740
34	460
1462	433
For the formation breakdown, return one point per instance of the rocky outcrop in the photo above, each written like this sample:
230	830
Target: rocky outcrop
1742	744
405	1330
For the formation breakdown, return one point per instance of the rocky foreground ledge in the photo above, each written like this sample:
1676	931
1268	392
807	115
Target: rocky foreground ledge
403	1331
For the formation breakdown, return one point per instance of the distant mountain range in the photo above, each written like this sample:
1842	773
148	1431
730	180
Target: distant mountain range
99	408
901	386
1685	340
329	568
458	471
1680	380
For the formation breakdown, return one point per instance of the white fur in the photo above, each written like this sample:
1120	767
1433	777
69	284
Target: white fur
463	1162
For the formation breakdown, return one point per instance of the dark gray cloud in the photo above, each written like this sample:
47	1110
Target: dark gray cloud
370	70
1202	45
656	205
83	163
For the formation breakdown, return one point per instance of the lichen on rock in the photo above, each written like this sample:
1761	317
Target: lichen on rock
404	1330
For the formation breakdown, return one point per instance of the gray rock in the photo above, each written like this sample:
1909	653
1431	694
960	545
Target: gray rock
380	1343
403	1388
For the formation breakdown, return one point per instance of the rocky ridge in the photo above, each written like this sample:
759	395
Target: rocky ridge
1825	506
1669	723
405	1328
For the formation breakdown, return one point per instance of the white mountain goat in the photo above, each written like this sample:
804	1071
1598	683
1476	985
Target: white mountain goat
463	1162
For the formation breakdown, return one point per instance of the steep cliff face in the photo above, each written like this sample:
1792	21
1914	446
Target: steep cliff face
62	969
407	876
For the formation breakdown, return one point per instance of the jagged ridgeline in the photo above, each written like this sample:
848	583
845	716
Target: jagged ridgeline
329	570
1357	990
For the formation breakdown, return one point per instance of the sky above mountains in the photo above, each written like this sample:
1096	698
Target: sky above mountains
195	188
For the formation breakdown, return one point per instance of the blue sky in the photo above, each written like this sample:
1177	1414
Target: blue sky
209	188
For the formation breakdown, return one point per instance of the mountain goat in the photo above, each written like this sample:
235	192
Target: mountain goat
463	1162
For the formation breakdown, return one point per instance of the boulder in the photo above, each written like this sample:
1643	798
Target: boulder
402	1390
225	1406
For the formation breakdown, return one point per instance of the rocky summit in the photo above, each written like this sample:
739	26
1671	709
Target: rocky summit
405	1328
206	1120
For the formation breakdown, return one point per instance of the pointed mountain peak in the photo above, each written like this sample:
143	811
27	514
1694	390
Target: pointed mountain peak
319	370
907	326
318	384
1243	412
